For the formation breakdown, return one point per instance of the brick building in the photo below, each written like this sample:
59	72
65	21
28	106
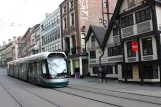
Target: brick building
76	17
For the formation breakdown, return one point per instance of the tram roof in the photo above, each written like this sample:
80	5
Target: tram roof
38	56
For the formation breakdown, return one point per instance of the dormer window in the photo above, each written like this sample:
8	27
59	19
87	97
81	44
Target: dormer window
92	38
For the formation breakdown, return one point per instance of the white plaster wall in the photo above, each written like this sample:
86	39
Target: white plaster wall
158	12
119	71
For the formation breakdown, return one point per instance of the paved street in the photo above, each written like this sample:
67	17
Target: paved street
86	92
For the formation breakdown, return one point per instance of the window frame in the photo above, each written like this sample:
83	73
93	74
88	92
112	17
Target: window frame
127	21
132	53
92	54
147	46
147	15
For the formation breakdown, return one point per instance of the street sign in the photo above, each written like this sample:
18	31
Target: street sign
134	46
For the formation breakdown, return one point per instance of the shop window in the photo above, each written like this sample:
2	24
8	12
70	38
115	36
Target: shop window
149	72
130	53
128	70
109	69
147	46
95	70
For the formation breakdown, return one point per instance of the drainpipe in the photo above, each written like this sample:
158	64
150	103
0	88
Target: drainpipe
100	65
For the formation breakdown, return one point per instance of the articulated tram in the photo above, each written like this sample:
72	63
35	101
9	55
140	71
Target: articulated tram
48	69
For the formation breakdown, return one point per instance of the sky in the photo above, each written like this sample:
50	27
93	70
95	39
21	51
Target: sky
16	16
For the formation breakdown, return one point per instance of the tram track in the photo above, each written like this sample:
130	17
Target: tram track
19	105
13	98
43	98
116	91
104	94
88	98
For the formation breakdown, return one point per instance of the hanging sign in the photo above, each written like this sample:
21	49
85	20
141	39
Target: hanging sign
134	46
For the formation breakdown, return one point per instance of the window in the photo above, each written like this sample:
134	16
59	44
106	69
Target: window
71	3
115	31
147	46
92	38
73	41
130	53
131	3
109	69
72	19
143	15
92	54
65	9
58	45
114	51
95	70
105	4
58	34
128	70
127	21
150	72
65	23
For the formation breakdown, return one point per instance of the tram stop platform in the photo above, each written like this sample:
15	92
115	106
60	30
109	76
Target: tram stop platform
114	85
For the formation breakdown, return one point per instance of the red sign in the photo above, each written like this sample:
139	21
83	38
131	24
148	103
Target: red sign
134	46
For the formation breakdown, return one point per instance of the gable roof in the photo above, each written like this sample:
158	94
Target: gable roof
99	33
116	12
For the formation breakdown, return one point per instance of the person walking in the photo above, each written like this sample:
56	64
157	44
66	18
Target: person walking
103	75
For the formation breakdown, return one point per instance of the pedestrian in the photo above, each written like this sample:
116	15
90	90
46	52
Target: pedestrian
99	74
103	75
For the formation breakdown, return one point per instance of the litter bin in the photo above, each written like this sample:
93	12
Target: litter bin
77	74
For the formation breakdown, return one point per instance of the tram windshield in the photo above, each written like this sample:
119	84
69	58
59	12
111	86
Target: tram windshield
57	65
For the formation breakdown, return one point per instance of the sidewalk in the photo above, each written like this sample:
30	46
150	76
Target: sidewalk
113	85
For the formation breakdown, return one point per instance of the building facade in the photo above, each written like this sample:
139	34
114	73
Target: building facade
76	17
138	26
8	52
24	43
50	32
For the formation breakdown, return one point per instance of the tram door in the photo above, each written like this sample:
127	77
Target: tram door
39	70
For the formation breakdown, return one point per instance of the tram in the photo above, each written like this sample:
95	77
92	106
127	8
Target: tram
48	69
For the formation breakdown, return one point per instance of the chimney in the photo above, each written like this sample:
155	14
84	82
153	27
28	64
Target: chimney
47	15
4	43
14	38
9	40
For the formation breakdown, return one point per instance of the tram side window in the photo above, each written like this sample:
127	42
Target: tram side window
44	68
20	68
35	68
24	67
39	68
31	67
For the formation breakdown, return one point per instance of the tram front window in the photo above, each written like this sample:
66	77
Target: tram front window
57	66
